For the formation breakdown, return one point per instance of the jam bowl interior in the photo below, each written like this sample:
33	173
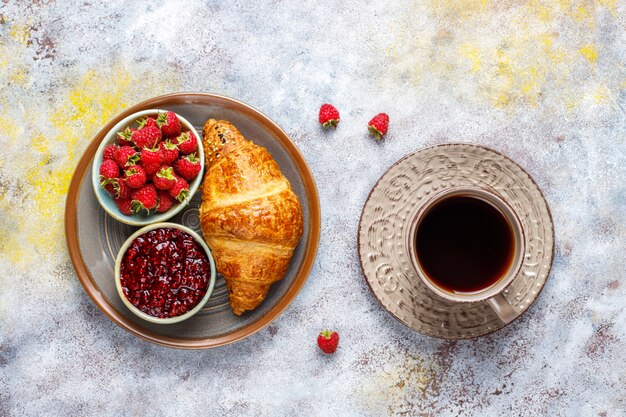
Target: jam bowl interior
165	320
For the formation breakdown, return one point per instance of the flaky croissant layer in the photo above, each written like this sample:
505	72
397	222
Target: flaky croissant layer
250	217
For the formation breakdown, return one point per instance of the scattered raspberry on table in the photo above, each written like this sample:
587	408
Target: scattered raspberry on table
378	125
329	116
328	341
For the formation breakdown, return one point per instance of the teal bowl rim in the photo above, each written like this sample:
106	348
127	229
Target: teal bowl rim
106	201
138	312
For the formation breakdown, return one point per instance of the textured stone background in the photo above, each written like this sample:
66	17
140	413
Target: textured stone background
542	81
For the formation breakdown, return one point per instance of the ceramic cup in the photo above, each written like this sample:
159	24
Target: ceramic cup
493	294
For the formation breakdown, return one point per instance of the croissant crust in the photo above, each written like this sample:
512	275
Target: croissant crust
250	217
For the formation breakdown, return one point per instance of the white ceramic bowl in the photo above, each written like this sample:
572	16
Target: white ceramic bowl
138	312
105	199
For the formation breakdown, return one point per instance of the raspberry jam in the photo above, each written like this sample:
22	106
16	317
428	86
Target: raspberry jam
165	272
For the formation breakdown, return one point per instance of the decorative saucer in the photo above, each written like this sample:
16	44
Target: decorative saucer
385	223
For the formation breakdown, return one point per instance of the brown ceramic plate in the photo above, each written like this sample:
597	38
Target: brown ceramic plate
94	238
385	223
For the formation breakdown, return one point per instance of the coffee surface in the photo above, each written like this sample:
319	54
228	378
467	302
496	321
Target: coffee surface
464	244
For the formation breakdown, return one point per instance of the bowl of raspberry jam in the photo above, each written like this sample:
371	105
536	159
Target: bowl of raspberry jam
165	273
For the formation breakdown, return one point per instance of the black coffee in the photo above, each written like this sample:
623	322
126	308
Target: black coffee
464	244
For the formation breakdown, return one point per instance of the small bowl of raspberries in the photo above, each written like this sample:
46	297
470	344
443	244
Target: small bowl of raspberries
148	167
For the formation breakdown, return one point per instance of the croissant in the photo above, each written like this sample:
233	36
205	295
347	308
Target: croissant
250	217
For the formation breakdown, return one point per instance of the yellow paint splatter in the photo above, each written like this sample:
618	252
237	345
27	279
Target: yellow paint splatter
543	11
504	79
590	52
520	58
88	106
463	9
552	53
9	127
19	75
89	103
15	59
31	225
601	94
20	32
472	53
611	5
397	387
581	14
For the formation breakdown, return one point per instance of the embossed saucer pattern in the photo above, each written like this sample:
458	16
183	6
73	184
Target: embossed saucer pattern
385	222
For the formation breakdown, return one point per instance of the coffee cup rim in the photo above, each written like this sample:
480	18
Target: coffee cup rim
494	199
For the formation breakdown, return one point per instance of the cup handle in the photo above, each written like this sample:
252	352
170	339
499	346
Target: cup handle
503	309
